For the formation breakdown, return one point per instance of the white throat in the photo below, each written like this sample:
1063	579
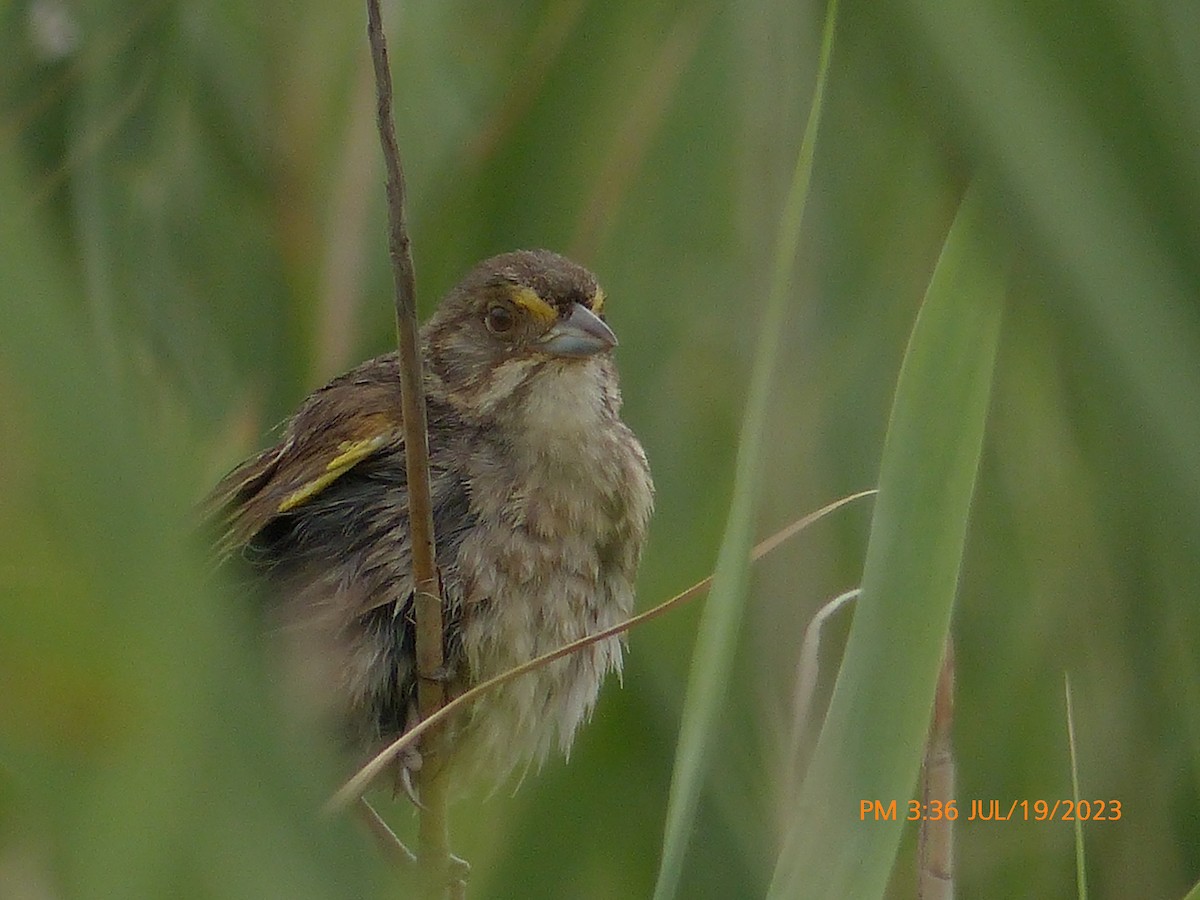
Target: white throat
566	406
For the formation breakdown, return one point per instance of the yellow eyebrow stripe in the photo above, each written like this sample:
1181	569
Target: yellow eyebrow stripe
530	301
598	301
352	453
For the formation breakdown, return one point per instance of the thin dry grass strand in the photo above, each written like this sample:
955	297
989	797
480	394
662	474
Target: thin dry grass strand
765	546
362	779
1080	858
392	846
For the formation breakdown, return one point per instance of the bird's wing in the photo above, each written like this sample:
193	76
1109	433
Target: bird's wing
349	420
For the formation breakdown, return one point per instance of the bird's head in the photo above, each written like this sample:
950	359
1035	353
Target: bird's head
519	324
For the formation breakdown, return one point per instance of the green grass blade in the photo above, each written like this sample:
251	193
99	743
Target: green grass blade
1080	859
871	745
716	641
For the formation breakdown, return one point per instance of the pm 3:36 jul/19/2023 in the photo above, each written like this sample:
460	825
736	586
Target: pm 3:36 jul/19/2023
994	810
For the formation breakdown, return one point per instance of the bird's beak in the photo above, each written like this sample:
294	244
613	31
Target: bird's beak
580	334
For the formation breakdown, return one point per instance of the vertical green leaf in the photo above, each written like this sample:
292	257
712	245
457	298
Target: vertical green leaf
716	641
871	744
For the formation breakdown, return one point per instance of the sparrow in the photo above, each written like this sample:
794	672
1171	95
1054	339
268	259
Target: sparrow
541	497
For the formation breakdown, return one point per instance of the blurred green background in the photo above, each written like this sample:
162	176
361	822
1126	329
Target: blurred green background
192	238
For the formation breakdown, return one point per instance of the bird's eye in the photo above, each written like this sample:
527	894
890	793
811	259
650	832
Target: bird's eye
500	320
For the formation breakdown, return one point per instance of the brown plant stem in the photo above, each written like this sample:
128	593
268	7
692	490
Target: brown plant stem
433	845
354	787
935	843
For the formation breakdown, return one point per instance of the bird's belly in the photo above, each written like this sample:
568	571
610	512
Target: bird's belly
525	595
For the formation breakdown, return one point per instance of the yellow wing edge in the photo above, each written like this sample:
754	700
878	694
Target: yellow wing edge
350	454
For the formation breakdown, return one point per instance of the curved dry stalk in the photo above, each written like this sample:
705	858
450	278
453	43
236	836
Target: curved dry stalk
806	682
349	792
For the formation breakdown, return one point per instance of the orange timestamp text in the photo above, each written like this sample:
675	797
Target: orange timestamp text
992	811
